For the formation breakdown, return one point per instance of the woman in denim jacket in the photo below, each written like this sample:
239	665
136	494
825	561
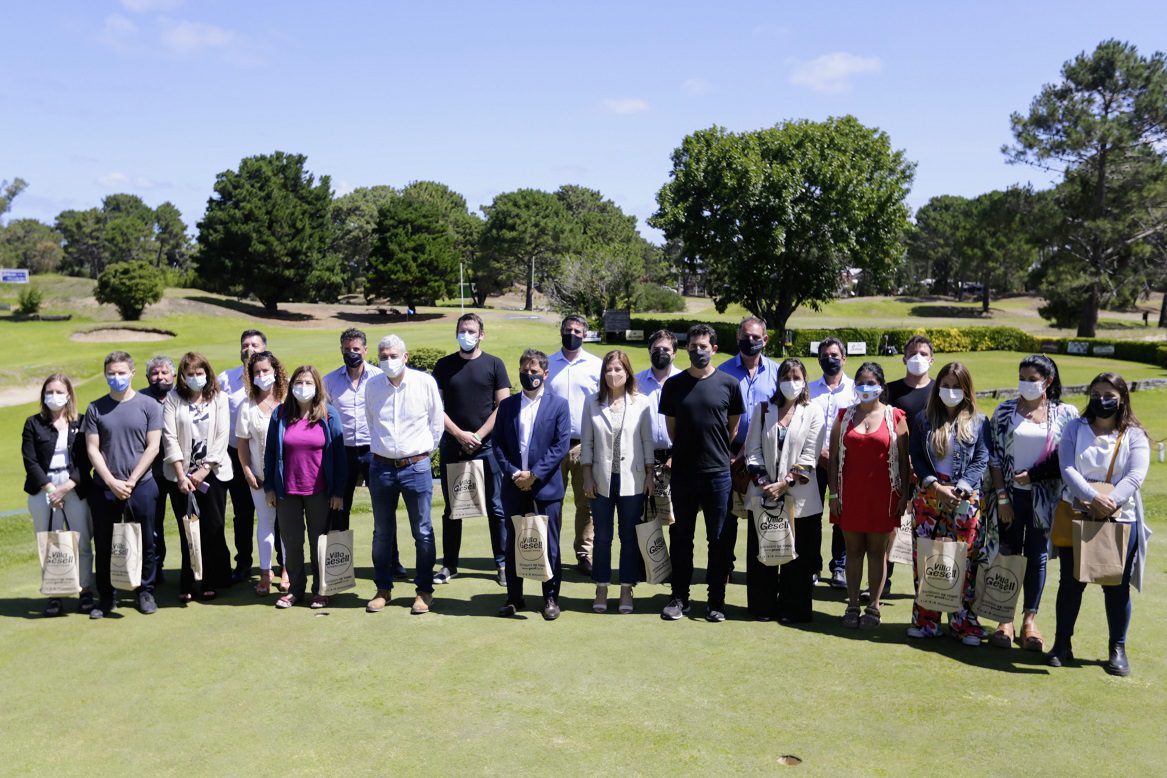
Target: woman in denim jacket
950	453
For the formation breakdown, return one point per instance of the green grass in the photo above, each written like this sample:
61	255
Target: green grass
236	687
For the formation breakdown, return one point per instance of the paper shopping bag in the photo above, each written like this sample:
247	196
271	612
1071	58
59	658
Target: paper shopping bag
60	567
998	587
775	530
531	553
941	565
125	559
650	537
334	554
194	537
1100	551
467	487
901	542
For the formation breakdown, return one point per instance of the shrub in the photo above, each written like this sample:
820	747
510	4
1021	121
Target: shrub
425	358
130	287
944	339
661	299
31	298
726	331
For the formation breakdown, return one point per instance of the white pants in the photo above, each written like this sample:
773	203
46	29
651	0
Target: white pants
77	514
265	528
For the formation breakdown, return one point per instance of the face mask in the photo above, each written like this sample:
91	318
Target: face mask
1030	390
264	382
530	382
393	367
951	397
661	358
244	355
699	358
353	358
791	389
571	341
615	380
750	348
118	383
467	341
830	365
163	387
56	400
303	393
868	392
196	382
1102	408
918	365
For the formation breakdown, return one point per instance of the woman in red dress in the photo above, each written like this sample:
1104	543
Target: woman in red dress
869	476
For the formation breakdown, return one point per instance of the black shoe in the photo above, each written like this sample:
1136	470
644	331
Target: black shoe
511	609
85	604
1118	664
53	608
550	609
715	613
502	576
401	574
584	565
1061	654
239	575
102	608
146	604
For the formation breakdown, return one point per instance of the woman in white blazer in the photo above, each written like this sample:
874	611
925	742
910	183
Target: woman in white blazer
617	457
782	445
197	426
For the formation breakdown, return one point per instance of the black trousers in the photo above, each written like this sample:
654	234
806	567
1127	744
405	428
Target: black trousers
166	490
244	512
838	544
784	592
212	506
518	503
106	510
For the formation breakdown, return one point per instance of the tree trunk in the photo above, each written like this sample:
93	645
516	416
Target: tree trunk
1088	322
479	299
271	304
985	294
530	306
1163	312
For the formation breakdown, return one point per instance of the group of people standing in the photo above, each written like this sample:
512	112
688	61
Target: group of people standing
749	436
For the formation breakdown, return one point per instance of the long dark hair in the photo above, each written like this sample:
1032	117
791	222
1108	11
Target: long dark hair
1126	416
876	370
317	409
788	364
192	360
1049	371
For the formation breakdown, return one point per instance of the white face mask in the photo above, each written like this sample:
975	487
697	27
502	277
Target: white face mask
1031	390
918	364
868	392
951	397
393	367
303	392
791	389
264	382
56	400
196	382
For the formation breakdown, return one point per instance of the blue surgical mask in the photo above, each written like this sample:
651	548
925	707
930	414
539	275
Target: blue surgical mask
868	392
118	383
467	341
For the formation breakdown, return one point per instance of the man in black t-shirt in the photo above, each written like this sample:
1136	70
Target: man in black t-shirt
472	384
701	407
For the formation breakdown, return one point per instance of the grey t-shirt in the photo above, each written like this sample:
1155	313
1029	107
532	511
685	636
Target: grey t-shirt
121	428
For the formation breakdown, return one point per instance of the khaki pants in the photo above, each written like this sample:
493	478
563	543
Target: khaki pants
583	509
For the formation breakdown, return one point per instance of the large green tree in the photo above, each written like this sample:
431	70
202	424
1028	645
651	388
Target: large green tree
465	227
267	230
1103	126
31	244
776	215
413	260
84	244
354	219
170	235
526	235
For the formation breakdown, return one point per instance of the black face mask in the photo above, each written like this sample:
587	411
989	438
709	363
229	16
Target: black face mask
530	382
571	341
353	358
699	358
830	365
661	358
749	347
163	387
1101	408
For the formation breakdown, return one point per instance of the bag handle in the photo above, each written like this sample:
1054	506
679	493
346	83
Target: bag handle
192	505
1114	456
650	511
64	519
127	514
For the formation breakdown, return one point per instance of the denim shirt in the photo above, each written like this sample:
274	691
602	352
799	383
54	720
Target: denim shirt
970	461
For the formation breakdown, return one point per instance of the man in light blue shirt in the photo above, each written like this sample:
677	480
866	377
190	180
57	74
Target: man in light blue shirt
662	349
574	375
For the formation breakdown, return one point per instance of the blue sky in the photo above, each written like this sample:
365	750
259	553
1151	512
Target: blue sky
155	97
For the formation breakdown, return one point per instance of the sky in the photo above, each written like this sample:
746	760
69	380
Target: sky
156	97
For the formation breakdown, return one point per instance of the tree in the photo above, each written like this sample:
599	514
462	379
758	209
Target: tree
933	246
8	193
465	228
83	236
354	218
170	234
526	235
413	258
776	215
267	228
1103	127
31	244
130	287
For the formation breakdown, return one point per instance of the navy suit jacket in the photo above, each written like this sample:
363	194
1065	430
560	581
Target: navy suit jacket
550	441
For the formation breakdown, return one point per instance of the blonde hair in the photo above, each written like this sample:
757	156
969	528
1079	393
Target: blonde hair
937	412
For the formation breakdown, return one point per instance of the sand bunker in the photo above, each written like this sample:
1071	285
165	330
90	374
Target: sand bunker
120	335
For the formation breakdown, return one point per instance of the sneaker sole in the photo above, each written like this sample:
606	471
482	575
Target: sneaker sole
669	617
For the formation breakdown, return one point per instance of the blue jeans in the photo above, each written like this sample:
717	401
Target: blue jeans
106	511
629	509
1024	537
708	493
415	484
1117	598
495	519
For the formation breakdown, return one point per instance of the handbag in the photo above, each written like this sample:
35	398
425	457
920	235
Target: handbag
1066	513
194	537
125	559
1100	550
650	537
60	566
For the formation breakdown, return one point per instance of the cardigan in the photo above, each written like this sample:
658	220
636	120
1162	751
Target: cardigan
177	440
334	462
636	449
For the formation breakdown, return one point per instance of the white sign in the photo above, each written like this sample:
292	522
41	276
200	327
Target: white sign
593	336
13	275
633	334
1106	350
856	347
1077	347
814	348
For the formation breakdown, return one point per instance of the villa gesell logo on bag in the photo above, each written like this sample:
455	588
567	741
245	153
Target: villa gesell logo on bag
118	554
338	555
1001	584
59	561
772	527
656	548
466	484
940	570
530	545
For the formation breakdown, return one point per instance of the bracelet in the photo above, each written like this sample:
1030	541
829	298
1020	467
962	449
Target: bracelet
1003	501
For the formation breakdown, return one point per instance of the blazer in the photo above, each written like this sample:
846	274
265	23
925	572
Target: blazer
804	441
177	439
970	461
598	437
334	462
550	442
37	443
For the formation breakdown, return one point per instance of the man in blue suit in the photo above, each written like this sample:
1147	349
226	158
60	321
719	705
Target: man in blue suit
532	435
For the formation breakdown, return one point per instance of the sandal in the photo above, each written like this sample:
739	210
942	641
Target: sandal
851	617
870	618
1030	638
318	602
287	601
1003	637
263	588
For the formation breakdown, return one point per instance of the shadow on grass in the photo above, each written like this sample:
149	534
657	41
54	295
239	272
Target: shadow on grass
251	309
948	312
358	317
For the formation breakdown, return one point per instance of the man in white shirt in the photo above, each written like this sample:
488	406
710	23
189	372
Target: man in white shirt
233	383
405	419
662	349
832	392
575	375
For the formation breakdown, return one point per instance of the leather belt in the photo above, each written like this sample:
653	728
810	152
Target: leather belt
400	463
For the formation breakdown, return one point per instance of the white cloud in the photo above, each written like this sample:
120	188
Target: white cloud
185	37
831	73
697	86
148	6
625	105
116	31
342	187
119	180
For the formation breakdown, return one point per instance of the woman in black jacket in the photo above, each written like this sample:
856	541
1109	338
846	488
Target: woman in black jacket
57	476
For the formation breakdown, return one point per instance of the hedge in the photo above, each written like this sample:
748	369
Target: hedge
726	331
